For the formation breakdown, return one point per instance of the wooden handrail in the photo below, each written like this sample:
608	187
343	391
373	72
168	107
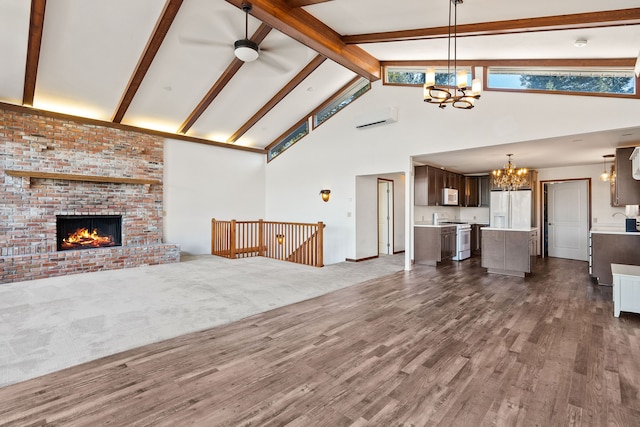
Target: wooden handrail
297	242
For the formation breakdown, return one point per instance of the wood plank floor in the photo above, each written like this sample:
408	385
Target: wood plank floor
449	346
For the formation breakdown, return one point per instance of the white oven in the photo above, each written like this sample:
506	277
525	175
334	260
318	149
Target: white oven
463	242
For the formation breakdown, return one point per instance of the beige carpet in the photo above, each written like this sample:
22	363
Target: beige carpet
50	324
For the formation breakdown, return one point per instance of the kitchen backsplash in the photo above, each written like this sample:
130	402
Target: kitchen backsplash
472	215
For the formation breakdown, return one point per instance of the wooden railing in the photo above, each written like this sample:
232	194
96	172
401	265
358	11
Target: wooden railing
288	241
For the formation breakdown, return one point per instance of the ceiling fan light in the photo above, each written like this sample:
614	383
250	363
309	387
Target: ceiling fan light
246	50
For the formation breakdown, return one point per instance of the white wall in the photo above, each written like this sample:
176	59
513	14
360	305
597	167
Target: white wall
601	210
366	214
335	153
203	182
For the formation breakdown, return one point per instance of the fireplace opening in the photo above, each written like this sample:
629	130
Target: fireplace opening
88	231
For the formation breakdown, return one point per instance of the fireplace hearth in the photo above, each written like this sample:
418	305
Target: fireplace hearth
88	231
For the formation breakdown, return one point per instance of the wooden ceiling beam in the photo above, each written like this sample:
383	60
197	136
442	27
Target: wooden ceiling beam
300	3
299	78
222	81
36	25
606	18
306	29
169	13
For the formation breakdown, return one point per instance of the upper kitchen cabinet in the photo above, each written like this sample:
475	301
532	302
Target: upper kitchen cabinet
624	189
428	185
484	191
471	195
429	182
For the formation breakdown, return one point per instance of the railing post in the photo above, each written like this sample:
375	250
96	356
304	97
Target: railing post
213	235
261	248
232	237
320	244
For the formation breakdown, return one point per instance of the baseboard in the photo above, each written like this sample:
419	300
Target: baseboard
361	259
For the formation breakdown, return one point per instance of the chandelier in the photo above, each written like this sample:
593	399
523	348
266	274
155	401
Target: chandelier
510	178
460	95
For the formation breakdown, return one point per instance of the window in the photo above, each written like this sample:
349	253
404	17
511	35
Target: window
594	81
299	131
341	100
414	76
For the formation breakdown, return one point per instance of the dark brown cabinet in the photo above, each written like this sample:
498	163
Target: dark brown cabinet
484	191
434	244
429	182
476	238
471	194
624	189
607	249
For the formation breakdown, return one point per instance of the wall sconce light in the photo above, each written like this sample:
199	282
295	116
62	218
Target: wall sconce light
280	238
325	194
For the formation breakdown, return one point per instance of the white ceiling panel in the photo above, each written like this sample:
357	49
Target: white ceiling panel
371	16
317	88
89	52
196	51
253	86
14	35
616	42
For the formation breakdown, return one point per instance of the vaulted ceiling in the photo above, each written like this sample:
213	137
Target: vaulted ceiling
168	65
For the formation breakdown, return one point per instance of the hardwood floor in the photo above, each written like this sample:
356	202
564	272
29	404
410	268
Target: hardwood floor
449	346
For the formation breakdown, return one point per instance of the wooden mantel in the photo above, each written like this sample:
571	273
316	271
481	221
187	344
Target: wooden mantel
86	178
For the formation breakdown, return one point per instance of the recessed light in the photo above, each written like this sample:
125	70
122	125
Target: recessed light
580	43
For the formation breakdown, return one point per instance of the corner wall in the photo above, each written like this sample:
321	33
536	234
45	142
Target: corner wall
202	182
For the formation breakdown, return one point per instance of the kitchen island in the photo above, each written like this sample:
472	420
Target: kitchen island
434	243
508	251
611	247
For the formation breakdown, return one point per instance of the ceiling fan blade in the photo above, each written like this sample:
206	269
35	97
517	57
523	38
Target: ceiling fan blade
202	42
271	61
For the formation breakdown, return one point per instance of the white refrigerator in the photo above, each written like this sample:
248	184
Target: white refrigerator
510	209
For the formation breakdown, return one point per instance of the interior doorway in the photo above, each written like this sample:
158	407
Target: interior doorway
385	217
566	207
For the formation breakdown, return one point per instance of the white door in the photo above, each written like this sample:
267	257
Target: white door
385	217
567	219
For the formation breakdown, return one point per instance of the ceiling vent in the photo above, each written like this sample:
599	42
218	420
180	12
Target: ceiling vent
378	117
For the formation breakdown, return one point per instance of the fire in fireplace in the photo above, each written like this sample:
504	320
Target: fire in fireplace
88	231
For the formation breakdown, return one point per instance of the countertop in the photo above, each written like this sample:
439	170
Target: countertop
625	270
510	229
614	231
425	224
430	224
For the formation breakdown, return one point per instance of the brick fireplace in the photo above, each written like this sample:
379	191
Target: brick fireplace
53	167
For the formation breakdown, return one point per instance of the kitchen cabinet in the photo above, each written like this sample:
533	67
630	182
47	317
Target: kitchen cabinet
612	248
471	195
429	182
484	191
434	244
435	184
624	189
508	251
420	186
476	238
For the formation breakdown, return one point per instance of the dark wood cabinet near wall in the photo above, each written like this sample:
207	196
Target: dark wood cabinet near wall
625	190
484	191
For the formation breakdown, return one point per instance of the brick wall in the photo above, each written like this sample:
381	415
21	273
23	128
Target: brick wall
28	206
